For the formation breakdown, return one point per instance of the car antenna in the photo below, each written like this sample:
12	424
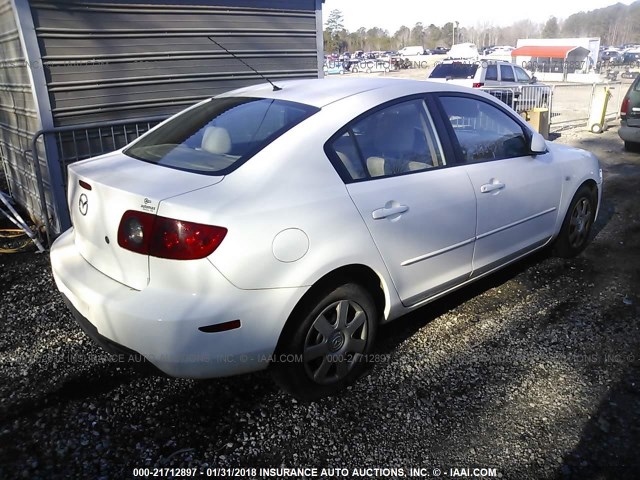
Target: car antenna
275	87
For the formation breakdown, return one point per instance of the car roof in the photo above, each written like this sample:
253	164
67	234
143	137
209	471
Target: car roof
322	92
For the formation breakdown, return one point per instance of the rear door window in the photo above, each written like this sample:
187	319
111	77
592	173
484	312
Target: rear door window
396	140
506	74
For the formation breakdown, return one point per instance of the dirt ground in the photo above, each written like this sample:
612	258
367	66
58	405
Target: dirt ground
533	372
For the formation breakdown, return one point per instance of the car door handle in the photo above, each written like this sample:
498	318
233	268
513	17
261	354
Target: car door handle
490	187
389	211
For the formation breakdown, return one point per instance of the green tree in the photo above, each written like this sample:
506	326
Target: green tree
402	36
433	36
446	34
376	38
334	22
335	36
417	34
551	28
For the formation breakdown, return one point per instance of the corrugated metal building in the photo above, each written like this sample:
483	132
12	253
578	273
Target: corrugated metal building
79	78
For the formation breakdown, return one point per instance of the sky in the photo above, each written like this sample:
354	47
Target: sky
391	15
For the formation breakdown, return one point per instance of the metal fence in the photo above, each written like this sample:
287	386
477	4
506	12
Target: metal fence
76	143
573	103
570	105
523	98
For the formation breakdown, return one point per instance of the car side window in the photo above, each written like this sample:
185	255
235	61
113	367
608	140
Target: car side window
506	74
522	76
484	132
492	73
347	152
396	140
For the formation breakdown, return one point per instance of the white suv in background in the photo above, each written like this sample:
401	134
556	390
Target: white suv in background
521	91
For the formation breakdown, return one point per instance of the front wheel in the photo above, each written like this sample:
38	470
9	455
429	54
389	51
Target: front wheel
325	345
577	224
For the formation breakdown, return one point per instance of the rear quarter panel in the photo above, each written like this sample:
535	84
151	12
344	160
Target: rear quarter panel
290	185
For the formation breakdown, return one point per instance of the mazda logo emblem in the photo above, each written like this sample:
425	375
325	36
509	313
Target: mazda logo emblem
83	204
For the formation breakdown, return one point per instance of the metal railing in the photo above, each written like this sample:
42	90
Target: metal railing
569	104
572	103
523	97
79	142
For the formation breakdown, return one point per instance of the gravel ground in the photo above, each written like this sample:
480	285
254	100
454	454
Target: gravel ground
534	372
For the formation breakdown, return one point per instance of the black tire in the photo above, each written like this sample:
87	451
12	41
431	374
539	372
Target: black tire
311	364
632	146
576	227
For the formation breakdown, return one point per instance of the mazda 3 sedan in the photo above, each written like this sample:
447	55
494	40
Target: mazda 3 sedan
280	227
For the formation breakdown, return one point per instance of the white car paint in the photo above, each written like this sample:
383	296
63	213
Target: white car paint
289	196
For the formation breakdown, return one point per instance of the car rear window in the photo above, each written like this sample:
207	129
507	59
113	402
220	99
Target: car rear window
454	70
219	135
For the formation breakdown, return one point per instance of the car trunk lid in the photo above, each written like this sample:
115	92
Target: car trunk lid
100	192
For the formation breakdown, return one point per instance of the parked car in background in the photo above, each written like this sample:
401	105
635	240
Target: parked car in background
631	58
629	129
463	51
609	55
509	82
409	51
440	51
333	68
379	64
278	228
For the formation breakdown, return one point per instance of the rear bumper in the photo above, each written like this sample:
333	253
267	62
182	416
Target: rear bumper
162	321
108	345
629	134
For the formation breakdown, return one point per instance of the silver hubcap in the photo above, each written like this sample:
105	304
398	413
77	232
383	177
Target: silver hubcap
335	342
580	223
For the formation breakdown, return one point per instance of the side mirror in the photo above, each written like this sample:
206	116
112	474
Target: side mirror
538	144
534	79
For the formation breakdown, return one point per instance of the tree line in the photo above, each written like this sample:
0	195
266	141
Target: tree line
615	25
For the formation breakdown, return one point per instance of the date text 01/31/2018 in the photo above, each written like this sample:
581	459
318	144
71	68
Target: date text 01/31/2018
310	472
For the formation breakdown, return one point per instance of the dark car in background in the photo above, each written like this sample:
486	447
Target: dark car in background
630	117
631	58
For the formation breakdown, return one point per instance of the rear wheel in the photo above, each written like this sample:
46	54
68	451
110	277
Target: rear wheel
325	345
576	228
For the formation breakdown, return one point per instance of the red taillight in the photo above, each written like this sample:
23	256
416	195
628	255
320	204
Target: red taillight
163	237
478	85
625	106
135	231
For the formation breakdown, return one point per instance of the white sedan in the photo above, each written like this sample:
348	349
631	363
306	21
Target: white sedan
279	227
